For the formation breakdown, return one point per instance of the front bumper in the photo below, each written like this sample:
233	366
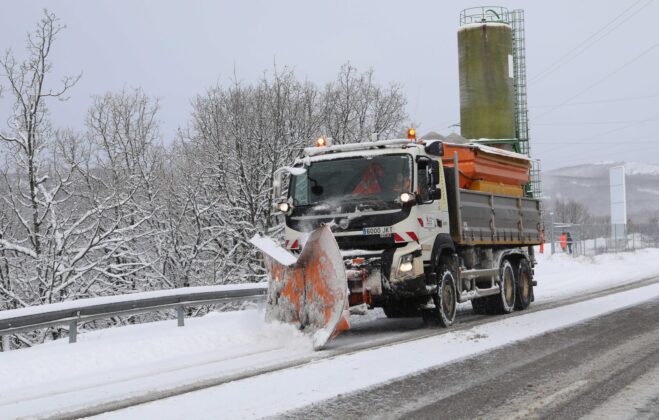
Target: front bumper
374	277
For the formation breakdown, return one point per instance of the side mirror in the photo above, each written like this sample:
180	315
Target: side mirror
436	194
435	148
279	176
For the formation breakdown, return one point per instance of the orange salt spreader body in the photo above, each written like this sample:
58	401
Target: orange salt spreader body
485	168
310	291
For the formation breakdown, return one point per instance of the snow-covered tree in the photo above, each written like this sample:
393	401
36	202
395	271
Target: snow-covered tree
66	227
240	135
573	212
354	107
128	161
34	183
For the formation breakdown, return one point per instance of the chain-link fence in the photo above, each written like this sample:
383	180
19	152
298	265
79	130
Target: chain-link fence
597	239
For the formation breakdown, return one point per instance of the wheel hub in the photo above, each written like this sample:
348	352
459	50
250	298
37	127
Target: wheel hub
448	300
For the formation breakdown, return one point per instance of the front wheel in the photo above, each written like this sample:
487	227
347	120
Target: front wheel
445	301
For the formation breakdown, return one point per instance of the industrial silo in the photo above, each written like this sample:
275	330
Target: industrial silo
486	74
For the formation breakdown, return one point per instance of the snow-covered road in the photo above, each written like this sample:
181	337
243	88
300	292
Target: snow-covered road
290	389
159	359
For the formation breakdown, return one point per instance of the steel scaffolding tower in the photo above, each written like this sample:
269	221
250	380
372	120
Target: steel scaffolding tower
533	189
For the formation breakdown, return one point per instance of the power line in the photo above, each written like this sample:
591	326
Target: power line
607	76
597	137
444	125
601	150
594	122
585	44
601	101
597	143
653	118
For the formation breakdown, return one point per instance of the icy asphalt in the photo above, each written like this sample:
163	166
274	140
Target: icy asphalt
607	367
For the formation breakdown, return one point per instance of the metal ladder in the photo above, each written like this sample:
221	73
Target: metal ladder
533	189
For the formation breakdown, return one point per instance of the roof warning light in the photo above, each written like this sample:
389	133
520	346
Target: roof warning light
411	134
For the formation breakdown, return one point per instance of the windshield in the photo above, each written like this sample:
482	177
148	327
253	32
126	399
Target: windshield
380	178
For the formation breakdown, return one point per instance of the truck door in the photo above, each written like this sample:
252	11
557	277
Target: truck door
432	213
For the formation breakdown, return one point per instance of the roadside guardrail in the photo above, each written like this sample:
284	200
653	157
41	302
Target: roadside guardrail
83	310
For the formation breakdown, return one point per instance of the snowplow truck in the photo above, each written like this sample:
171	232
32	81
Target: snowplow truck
414	227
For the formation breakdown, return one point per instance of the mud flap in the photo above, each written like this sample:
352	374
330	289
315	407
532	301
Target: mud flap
310	291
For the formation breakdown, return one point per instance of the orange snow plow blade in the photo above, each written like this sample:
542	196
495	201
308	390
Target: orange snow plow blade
310	291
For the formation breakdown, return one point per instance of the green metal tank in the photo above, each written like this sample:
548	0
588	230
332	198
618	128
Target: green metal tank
486	74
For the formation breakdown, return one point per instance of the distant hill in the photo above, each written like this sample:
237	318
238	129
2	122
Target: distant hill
589	185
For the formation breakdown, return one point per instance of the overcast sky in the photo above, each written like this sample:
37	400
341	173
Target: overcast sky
600	105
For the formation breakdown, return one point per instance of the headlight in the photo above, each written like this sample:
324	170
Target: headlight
406	197
283	207
405	266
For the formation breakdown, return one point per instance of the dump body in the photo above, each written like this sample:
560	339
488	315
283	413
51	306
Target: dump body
478	214
485	163
479	218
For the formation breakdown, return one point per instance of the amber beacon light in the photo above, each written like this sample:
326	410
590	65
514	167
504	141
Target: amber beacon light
411	134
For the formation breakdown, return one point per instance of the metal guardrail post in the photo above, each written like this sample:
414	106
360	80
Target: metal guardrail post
6	342
73	331
180	315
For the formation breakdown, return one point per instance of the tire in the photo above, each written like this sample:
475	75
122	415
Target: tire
445	300
524	285
504	302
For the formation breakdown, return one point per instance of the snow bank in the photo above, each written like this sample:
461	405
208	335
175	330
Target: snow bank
139	349
631	168
635	168
561	275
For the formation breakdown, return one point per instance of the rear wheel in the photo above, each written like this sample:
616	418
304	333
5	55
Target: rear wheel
504	302
524	285
444	300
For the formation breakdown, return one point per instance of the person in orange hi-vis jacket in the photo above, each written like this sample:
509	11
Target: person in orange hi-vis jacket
369	183
563	241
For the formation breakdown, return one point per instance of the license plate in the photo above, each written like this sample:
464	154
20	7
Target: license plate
382	231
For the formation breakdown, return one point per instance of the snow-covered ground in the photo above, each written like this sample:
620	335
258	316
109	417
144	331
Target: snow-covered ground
561	275
160	355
